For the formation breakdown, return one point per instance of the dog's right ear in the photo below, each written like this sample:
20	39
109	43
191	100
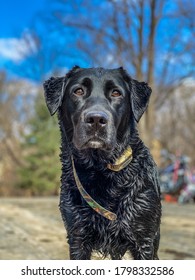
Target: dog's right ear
54	91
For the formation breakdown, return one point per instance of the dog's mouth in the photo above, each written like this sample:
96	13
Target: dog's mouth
95	144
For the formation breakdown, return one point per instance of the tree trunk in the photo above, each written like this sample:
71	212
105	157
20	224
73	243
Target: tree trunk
148	120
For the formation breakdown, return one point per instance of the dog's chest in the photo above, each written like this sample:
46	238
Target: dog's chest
110	237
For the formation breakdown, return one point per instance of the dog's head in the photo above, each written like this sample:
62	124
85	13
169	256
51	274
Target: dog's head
97	106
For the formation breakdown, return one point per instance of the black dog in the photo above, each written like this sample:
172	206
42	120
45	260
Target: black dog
110	198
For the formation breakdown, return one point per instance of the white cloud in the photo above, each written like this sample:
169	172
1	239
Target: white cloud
14	49
189	82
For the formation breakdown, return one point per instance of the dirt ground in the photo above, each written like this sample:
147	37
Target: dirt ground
31	228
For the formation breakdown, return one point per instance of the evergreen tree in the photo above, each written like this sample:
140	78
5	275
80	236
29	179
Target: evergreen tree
41	173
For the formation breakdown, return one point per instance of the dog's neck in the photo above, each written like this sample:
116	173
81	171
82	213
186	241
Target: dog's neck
90	201
119	164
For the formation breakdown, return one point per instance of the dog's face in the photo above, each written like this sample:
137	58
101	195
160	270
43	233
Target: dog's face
97	105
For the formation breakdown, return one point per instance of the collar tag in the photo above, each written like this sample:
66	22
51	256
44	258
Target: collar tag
122	161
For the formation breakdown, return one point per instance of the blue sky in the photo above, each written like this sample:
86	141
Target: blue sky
17	15
17	18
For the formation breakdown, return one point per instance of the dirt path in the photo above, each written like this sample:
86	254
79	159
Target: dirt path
31	228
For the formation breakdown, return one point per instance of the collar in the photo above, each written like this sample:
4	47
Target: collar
119	164
122	161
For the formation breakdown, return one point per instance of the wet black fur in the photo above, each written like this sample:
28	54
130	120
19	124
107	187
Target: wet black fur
133	193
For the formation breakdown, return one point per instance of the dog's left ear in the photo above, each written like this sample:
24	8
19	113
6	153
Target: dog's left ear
54	91
140	95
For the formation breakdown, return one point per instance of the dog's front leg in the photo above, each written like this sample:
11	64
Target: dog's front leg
147	247
144	250
79	249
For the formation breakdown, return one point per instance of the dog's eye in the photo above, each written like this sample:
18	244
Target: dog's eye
116	93
79	92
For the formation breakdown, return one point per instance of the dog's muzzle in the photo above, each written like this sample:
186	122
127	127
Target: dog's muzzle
95	129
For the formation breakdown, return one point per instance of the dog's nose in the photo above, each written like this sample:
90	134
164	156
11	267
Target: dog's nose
96	119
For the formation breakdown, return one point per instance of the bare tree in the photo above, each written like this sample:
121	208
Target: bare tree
15	108
147	37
